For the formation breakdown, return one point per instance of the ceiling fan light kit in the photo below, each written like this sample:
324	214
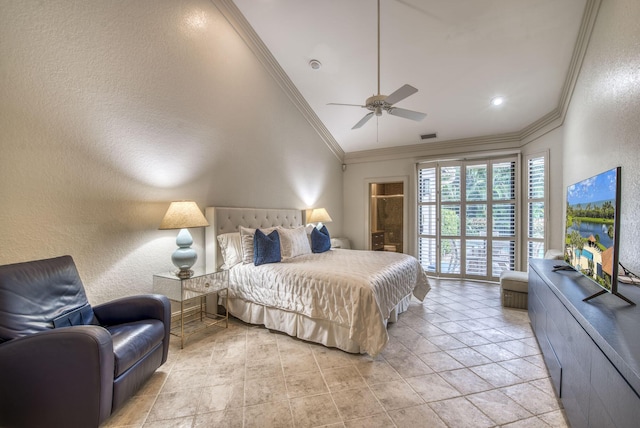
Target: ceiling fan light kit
379	103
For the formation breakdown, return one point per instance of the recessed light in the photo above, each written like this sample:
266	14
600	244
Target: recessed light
496	101
315	64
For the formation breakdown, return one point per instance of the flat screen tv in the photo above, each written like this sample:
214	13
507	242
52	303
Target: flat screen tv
592	229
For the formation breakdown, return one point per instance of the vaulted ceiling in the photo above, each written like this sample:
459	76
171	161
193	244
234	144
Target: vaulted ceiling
459	54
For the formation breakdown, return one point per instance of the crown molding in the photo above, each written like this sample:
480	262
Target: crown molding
463	145
537	129
233	15
540	127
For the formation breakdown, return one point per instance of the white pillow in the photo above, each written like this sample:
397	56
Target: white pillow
246	241
341	243
293	242
231	249
308	228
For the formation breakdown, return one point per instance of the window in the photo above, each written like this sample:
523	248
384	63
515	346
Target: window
467	217
536	206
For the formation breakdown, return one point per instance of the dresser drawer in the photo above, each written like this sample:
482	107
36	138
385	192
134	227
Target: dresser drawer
377	241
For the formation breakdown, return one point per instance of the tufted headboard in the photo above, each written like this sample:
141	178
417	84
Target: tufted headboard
226	220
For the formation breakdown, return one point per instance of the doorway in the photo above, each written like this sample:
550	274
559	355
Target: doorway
386	216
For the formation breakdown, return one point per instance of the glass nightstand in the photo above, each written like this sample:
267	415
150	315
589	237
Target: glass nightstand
194	317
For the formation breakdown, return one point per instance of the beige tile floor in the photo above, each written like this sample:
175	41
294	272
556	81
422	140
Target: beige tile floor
458	359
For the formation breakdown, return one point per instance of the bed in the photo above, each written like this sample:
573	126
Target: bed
339	298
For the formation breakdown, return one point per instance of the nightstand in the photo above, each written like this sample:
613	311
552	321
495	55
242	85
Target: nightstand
191	294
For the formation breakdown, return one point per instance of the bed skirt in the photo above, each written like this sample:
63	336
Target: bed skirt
297	325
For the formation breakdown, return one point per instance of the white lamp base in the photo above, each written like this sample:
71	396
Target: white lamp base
185	256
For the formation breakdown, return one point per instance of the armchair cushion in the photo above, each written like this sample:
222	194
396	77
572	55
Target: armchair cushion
132	341
137	308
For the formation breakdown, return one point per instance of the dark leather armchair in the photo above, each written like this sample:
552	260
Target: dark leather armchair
64	363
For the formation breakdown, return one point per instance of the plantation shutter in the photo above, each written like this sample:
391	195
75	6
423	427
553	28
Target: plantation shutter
504	217
467	225
536	190
427	219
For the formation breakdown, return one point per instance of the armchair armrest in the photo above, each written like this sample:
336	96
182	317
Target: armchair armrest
133	308
137	308
77	364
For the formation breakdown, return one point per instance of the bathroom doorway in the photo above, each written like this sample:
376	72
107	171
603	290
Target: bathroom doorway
386	216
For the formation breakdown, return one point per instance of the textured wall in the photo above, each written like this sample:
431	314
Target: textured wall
602	128
111	109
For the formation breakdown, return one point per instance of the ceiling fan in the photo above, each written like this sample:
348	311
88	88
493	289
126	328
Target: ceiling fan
379	103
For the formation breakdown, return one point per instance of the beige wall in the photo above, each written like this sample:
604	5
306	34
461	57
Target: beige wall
602	127
109	110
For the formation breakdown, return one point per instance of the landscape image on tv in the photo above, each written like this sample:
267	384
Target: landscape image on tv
591	228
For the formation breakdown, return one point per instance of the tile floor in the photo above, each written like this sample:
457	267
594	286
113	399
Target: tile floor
456	360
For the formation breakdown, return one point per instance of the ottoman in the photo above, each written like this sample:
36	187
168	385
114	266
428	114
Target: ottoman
514	289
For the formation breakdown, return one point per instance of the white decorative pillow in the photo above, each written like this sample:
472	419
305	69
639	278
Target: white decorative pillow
308	229
231	249
293	242
341	243
246	241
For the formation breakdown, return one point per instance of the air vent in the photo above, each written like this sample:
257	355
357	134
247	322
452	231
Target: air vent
428	136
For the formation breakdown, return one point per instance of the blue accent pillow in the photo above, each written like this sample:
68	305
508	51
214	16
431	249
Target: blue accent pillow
266	248
79	316
320	240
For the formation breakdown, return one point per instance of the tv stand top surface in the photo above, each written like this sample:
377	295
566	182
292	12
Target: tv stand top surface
612	323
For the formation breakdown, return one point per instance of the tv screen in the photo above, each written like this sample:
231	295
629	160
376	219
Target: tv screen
592	227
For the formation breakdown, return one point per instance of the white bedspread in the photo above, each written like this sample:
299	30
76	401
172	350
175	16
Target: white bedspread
357	289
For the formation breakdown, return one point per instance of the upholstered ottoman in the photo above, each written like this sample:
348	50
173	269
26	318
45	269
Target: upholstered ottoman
514	289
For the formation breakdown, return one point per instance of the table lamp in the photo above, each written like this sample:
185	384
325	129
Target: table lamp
182	215
319	215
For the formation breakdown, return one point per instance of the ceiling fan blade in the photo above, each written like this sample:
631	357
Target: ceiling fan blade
400	94
363	120
407	114
339	104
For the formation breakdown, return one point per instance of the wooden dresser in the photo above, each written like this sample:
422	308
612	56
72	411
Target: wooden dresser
592	349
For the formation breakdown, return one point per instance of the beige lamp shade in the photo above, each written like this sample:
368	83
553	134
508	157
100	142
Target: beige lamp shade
182	215
319	215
